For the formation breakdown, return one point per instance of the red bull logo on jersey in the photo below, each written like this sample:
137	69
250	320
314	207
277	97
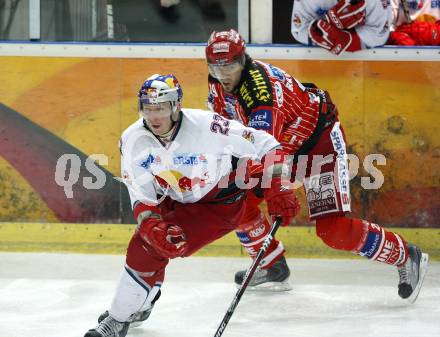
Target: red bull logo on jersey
176	181
187	184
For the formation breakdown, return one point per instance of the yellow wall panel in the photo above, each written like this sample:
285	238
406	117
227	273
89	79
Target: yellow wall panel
390	108
18	200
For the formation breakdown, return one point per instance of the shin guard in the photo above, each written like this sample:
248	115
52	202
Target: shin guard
132	295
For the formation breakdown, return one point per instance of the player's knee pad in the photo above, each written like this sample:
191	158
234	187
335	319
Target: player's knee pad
252	211
339	232
252	235
141	257
132	294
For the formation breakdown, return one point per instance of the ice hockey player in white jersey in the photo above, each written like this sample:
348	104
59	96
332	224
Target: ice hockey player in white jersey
341	25
187	172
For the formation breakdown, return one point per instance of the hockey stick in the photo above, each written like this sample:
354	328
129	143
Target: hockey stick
247	278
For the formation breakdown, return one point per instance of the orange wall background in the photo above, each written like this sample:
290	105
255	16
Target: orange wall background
390	108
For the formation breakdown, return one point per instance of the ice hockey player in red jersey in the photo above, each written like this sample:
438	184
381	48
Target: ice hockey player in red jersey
305	121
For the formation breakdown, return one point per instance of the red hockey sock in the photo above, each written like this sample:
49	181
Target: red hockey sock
363	238
252	234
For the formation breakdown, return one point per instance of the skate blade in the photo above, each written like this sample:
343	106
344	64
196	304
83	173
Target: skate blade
270	287
422	271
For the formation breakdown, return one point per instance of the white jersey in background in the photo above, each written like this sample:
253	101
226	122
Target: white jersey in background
373	33
195	161
426	10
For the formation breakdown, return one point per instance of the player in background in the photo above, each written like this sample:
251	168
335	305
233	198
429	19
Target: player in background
305	121
415	23
187	174
344	25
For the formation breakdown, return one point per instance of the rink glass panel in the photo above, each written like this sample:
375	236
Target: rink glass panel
117	20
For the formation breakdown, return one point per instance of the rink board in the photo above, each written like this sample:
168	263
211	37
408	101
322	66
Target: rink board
113	239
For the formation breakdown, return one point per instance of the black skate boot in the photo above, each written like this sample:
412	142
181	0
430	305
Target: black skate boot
109	327
138	318
276	278
412	273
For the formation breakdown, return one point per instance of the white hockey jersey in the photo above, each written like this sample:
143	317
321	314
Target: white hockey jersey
373	33
416	8
195	161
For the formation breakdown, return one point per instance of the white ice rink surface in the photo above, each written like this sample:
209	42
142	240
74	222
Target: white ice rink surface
61	295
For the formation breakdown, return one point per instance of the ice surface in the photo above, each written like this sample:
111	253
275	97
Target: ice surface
61	295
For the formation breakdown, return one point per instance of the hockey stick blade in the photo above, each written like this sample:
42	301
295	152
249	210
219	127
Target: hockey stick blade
247	278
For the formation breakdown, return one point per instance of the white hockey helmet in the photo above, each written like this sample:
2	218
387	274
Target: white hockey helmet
161	88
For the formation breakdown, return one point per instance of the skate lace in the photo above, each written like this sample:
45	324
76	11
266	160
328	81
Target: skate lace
109	327
259	273
404	273
258	276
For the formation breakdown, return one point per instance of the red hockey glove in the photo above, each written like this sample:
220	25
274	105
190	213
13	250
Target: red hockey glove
347	14
401	39
167	239
281	202
327	36
424	33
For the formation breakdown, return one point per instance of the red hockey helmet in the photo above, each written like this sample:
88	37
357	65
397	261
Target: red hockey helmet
225	47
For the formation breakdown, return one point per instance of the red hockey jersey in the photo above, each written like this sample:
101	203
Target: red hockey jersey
269	99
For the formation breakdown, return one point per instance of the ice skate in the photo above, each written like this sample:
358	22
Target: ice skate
109	327
276	278
137	320
412	273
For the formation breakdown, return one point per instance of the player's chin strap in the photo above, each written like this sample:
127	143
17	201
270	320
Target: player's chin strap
176	116
247	278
